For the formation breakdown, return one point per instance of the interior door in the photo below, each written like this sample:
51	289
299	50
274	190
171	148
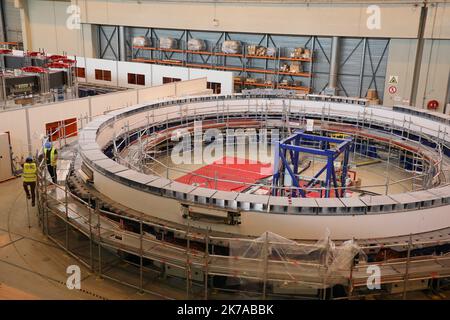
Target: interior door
5	158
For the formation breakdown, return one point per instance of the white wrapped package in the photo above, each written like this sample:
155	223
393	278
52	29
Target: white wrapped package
141	42
168	43
196	45
271	52
231	46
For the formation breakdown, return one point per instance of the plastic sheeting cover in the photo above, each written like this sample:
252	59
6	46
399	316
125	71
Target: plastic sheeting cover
275	258
141	41
168	43
196	45
231	46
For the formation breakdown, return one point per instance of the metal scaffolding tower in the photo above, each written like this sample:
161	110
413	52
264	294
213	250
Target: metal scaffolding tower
298	143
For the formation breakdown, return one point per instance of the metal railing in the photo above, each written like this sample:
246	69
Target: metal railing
103	235
144	125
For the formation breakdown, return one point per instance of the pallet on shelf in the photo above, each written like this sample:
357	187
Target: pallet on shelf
245	58
296	59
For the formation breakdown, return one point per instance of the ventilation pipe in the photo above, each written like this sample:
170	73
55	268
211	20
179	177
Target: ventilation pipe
122	49
334	67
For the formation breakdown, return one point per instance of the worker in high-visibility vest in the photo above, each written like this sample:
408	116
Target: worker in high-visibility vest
51	158
29	176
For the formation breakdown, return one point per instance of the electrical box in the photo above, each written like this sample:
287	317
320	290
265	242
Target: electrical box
5	158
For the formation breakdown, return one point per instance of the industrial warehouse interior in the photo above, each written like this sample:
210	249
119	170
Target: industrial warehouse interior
225	150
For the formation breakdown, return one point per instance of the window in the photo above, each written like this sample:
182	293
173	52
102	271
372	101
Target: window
64	128
104	75
215	86
169	80
138	79
80	72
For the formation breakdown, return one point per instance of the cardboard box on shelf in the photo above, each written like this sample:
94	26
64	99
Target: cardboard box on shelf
306	54
284	67
251	50
286	82
255	50
297	53
372	94
261	51
295	67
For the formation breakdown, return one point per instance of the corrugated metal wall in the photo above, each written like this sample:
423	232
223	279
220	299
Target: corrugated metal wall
363	61
108	37
12	20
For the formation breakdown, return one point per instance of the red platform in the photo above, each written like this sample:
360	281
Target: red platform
228	168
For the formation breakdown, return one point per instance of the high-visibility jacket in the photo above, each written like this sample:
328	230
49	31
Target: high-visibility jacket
29	172
52	156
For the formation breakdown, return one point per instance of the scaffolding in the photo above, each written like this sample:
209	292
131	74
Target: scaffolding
264	267
268	264
145	140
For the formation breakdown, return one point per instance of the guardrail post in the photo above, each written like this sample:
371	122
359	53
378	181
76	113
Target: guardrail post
97	207
266	264
66	207
350	280
405	282
45	200
206	262
141	259
91	253
188	271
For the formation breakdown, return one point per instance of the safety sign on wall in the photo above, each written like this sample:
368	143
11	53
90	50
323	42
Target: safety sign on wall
392	89
393	80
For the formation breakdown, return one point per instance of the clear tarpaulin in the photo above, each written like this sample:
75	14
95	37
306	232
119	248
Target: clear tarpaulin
273	258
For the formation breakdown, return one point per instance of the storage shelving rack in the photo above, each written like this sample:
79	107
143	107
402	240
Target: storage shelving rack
216	60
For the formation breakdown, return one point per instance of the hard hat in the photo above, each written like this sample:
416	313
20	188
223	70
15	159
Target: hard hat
29	159
48	145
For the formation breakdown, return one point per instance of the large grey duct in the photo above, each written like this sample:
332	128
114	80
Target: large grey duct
122	49
334	67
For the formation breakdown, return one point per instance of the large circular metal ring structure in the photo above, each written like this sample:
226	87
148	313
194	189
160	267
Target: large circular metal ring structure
370	218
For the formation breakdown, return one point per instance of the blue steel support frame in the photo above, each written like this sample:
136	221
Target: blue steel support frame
293	145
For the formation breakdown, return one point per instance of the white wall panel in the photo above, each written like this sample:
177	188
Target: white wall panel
438	21
224	78
157	92
158	72
434	73
112	101
43	114
92	64
190	87
132	67
14	122
402	55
